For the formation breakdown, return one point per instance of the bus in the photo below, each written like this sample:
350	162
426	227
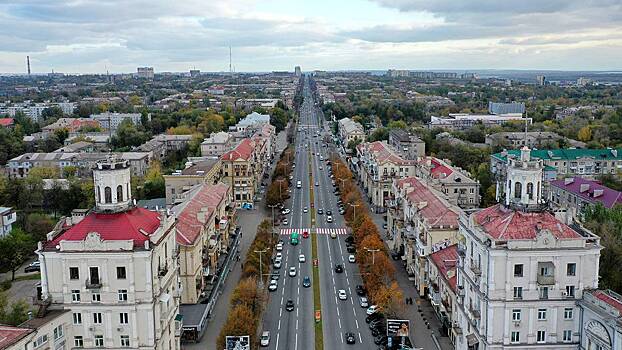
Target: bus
294	238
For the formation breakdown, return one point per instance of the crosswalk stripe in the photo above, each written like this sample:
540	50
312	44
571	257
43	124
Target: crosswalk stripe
319	231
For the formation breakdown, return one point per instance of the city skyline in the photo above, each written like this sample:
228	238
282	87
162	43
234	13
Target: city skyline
95	36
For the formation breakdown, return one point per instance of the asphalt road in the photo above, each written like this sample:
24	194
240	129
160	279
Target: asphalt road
293	330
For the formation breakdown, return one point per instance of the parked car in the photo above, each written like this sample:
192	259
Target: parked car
286	211
33	267
351	249
277	263
265	338
349	239
273	285
360	290
372	309
351	258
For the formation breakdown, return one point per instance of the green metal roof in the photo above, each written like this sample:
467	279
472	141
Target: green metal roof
568	154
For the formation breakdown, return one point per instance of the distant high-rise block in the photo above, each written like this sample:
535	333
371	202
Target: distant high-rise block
298	71
145	72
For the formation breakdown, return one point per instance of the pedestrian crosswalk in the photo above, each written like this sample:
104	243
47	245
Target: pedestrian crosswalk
319	231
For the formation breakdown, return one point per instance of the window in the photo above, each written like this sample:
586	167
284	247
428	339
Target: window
541	336
97	317
125	341
541	314
78	342
58	332
77	318
119	193
567	335
516	315
568	313
571	269
107	195
99	341
570	291
518	188
518	292
121	273
530	190
515	338
94	274
75	295
122	294
123	318
518	270
74	273
544	292
40	341
96	297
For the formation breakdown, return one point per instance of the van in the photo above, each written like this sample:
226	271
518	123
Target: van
299	184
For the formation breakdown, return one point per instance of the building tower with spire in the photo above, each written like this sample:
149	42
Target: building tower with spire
523	183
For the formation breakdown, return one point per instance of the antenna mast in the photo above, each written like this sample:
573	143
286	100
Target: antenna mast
28	64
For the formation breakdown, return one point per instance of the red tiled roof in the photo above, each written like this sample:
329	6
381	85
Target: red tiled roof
505	224
445	261
243	151
128	225
205	201
436	211
609	299
7	121
11	335
382	153
439	170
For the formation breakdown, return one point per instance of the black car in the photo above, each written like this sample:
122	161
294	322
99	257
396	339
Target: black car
380	340
289	306
396	256
349	239
321	211
360	290
275	275
329	212
376	324
351	249
350	339
339	268
373	317
378	331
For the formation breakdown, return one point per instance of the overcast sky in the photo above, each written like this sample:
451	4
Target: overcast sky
90	36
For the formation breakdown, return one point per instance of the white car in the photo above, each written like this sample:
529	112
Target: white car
317	184
301	258
279	247
352	258
285	222
342	294
277	264
305	209
279	255
273	285
372	309
286	211
292	271
329	219
265	338
363	302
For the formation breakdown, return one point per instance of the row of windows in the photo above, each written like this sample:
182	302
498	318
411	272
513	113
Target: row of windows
59	332
543	292
517	314
76	295
541	336
571	270
74	273
98	318
78	341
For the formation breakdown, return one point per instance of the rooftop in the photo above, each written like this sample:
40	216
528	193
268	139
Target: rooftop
445	261
242	151
7	121
436	211
566	154
590	191
10	335
193	214
612	299
502	223
382	153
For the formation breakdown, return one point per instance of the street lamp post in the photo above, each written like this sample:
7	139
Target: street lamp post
260	252
373	254
280	181
272	207
354	206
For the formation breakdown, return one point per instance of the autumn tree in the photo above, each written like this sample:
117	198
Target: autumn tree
390	298
241	321
210	124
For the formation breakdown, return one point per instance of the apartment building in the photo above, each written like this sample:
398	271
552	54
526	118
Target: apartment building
576	194
349	130
115	270
49	330
110	120
443	286
72	124
521	270
145	72
242	169
161	145
462	121
202	235
531	139
198	172
217	144
8	217
420	223
506	108
377	165
407	144
457	185
251	120
601	320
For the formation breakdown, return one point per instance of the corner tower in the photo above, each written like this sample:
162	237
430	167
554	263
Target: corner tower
112	185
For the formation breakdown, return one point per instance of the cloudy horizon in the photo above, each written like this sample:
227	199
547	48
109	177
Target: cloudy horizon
92	36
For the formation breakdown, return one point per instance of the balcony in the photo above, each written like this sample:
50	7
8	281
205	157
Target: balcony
476	268
94	283
545	280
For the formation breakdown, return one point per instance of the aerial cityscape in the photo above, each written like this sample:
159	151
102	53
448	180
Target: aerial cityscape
295	175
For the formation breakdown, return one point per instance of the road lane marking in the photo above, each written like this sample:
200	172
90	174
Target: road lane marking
279	327
296	346
360	339
356	321
296	322
277	339
339	319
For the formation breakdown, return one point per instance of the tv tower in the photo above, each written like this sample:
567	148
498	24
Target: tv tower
28	64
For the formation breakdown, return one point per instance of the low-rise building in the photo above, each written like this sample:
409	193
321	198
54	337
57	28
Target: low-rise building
377	164
49	330
161	145
576	194
109	120
251	120
114	269
601	320
72	124
180	182
407	144
462	121
454	182
349	130
217	144
7	122
8	217
531	139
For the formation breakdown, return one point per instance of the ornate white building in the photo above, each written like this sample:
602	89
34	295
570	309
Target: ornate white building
521	270
115	269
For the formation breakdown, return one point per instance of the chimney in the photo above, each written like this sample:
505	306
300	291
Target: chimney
584	187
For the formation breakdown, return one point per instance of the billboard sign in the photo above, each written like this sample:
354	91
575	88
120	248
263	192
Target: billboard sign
242	342
398	328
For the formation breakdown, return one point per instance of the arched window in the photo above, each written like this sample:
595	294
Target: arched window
530	190
518	189
97	197
107	195
119	193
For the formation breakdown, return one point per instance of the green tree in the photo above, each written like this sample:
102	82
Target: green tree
129	135
154	186
15	314
15	249
379	134
53	112
211	123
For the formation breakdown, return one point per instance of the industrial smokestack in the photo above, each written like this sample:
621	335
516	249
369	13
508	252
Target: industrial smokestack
28	63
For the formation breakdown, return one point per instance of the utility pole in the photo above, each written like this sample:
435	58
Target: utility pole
373	254
354	206
260	252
